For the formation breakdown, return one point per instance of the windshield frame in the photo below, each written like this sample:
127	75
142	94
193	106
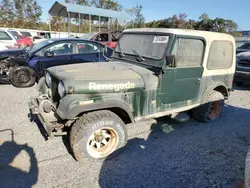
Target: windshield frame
167	49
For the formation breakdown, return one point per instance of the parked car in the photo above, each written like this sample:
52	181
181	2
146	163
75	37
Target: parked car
242	73
26	34
107	38
37	39
41	36
243	48
7	40
154	72
23	38
26	67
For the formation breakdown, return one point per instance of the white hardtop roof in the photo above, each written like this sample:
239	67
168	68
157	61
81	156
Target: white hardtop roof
188	32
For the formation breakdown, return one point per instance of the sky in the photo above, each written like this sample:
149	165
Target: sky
161	9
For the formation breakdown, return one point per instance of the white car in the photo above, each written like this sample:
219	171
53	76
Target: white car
37	39
7	40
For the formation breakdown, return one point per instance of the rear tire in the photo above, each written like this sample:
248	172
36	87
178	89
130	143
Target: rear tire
22	77
212	108
97	135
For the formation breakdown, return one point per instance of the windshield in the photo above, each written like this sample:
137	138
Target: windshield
147	45
40	45
88	35
15	34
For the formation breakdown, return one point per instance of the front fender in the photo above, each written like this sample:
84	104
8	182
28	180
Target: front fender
71	106
35	64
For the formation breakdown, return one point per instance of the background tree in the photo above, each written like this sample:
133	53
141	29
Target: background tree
27	14
21	13
7	14
179	21
139	18
33	14
204	23
106	4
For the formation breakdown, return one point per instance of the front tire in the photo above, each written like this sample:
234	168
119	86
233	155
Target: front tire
22	77
212	108
97	135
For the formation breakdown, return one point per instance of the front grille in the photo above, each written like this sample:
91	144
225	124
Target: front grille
244	63
54	92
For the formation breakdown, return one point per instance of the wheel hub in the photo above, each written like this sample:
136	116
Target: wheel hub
102	142
23	76
99	138
215	110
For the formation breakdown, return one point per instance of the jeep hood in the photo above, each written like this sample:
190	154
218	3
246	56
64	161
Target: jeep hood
104	77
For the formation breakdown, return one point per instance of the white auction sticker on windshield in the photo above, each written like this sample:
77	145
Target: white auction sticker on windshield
160	39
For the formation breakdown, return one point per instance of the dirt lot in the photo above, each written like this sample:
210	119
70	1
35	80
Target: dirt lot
164	155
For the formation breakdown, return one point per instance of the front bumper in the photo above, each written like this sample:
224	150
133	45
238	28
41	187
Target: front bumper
4	79
49	120
242	76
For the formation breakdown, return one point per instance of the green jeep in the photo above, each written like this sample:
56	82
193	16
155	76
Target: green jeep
152	73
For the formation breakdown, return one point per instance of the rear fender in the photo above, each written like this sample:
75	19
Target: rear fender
213	87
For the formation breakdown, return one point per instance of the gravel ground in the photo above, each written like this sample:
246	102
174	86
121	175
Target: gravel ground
163	155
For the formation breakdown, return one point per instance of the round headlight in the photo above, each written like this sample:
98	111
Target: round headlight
48	79
61	89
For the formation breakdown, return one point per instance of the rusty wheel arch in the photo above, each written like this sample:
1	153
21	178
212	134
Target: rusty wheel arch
220	87
223	90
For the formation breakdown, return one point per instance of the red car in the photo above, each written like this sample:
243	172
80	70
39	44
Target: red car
22	41
106	38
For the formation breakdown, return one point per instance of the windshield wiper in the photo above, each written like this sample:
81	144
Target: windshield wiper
142	59
121	53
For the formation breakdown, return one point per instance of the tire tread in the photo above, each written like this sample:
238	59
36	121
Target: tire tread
200	113
81	124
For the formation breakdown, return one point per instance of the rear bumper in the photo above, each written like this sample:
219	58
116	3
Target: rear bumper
49	120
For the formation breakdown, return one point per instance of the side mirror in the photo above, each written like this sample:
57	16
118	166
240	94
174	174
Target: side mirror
49	54
171	60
